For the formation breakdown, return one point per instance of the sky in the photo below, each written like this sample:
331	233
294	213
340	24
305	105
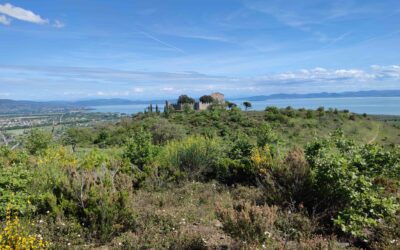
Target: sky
154	49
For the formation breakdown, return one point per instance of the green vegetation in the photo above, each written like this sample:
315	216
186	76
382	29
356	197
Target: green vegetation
217	179
206	99
184	99
247	105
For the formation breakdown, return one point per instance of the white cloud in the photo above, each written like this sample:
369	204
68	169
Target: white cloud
118	83
320	75
58	24
112	93
390	71
138	90
21	14
4	20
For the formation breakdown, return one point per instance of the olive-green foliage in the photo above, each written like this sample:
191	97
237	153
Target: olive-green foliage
267	136
85	189
76	136
38	141
163	131
140	149
344	176
15	176
236	167
195	157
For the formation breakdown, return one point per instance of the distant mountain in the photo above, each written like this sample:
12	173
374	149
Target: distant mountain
29	107
8	106
113	101
369	93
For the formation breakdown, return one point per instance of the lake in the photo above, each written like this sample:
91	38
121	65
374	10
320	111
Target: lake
369	105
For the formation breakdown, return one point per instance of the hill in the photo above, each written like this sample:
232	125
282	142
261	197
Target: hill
213	179
29	107
370	93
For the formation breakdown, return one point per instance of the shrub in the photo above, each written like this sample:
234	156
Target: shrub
266	135
272	109
294	226
140	149
309	114
249	223
286	183
76	136
236	167
15	180
163	131
344	177
195	158
14	189
38	141
15	236
85	190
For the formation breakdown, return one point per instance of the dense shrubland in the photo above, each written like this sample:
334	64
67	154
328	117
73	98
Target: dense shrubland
283	178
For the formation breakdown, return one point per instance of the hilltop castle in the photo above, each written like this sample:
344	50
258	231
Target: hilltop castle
217	98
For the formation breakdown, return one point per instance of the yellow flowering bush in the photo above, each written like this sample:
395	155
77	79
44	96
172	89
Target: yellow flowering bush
262	158
58	155
15	236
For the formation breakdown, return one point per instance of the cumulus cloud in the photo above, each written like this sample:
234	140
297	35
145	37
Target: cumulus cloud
4	20
114	83
320	75
10	12
21	14
391	71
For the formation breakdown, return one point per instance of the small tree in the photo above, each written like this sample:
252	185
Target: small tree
38	141
184	99
207	99
140	149
75	136
231	104
267	136
247	105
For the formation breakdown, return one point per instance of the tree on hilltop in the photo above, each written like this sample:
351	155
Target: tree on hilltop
207	99
184	99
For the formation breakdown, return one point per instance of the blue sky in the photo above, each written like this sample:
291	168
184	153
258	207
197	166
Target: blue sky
151	49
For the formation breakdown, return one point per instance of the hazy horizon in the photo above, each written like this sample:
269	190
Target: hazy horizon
149	50
198	96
